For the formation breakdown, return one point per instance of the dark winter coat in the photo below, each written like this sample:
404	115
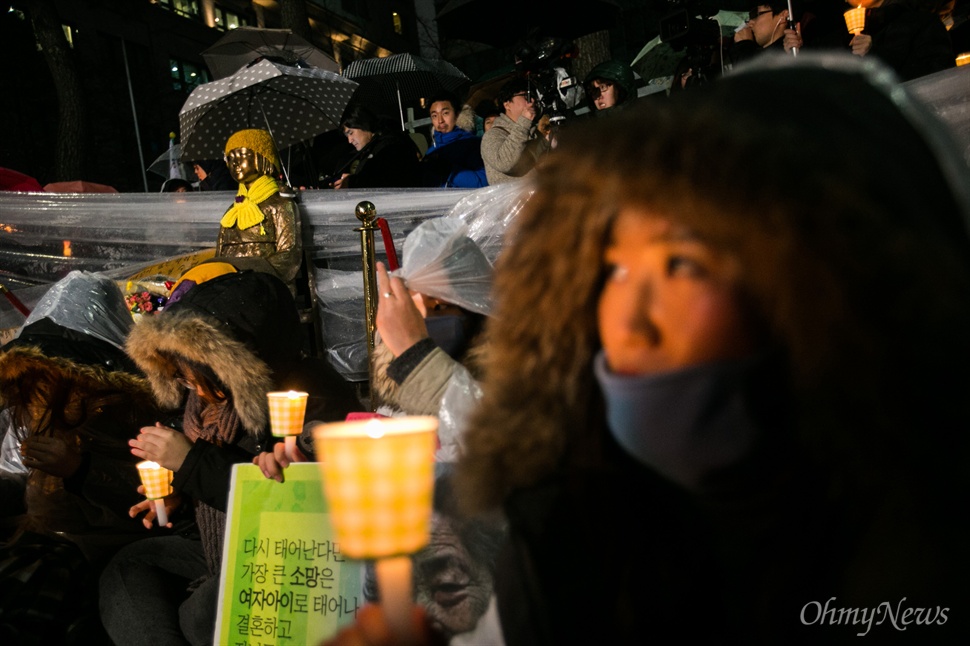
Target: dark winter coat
70	385
388	161
244	327
912	41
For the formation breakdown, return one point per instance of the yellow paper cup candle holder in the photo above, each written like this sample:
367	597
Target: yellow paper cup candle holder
157	481
378	479
855	20
286	413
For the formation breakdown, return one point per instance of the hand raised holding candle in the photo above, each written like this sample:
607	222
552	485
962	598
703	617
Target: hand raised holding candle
172	502
861	44
273	463
161	444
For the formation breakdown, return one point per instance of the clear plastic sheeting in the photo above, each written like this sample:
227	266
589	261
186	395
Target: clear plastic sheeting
488	213
341	307
461	396
87	303
440	260
947	93
484	215
44	236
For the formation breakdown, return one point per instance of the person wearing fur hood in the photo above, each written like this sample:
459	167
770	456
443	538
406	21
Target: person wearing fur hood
217	351
72	400
430	323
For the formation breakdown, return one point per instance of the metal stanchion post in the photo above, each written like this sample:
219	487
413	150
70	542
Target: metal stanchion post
367	214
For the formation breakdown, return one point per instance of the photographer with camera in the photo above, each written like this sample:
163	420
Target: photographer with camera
513	145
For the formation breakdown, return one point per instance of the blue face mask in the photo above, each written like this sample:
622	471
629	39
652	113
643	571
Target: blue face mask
448	333
684	424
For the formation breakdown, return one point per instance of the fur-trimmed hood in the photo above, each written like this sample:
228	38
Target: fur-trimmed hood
243	326
28	375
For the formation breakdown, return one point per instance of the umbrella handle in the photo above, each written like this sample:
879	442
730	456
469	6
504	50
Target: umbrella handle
792	25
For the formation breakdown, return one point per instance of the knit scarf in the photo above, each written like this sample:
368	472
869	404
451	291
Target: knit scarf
245	212
217	424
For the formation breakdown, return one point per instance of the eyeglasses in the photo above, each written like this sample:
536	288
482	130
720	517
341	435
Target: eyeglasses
754	13
594	92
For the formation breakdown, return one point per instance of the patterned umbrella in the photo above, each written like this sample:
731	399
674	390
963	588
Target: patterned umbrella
294	103
387	82
245	44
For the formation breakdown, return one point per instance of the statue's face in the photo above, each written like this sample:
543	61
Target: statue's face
245	165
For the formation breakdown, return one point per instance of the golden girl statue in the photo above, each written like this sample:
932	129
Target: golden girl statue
262	225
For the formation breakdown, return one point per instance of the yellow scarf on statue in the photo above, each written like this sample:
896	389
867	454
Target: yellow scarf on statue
245	212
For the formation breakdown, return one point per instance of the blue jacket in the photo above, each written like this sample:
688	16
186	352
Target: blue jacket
454	160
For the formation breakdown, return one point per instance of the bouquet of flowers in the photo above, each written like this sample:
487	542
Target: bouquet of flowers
142	299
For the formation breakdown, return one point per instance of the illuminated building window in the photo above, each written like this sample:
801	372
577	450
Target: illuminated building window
227	20
187	76
188	8
396	18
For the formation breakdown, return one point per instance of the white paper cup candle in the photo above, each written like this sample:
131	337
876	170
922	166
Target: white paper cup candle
157	481
286	413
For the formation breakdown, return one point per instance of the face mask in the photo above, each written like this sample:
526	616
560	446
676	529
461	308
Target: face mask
448	333
683	424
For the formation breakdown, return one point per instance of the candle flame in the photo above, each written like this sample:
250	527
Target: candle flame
374	429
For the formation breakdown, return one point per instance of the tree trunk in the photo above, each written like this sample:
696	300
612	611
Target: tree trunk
293	16
593	50
70	100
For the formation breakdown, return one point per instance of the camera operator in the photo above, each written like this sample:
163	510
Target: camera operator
513	145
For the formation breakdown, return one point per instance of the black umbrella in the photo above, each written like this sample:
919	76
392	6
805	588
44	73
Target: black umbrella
294	103
243	45
388	82
506	22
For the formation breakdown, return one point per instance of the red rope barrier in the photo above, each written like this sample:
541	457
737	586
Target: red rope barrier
14	300
392	261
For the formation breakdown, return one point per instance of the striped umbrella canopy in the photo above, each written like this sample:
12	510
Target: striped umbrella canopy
245	44
293	103
389	82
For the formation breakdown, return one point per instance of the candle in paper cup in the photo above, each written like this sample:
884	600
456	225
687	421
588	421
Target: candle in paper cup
157	481
855	20
286	411
378	479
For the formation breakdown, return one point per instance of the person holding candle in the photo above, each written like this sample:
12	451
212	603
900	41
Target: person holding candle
907	36
736	417
217	352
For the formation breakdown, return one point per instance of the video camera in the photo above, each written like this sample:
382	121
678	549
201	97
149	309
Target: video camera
547	66
690	27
